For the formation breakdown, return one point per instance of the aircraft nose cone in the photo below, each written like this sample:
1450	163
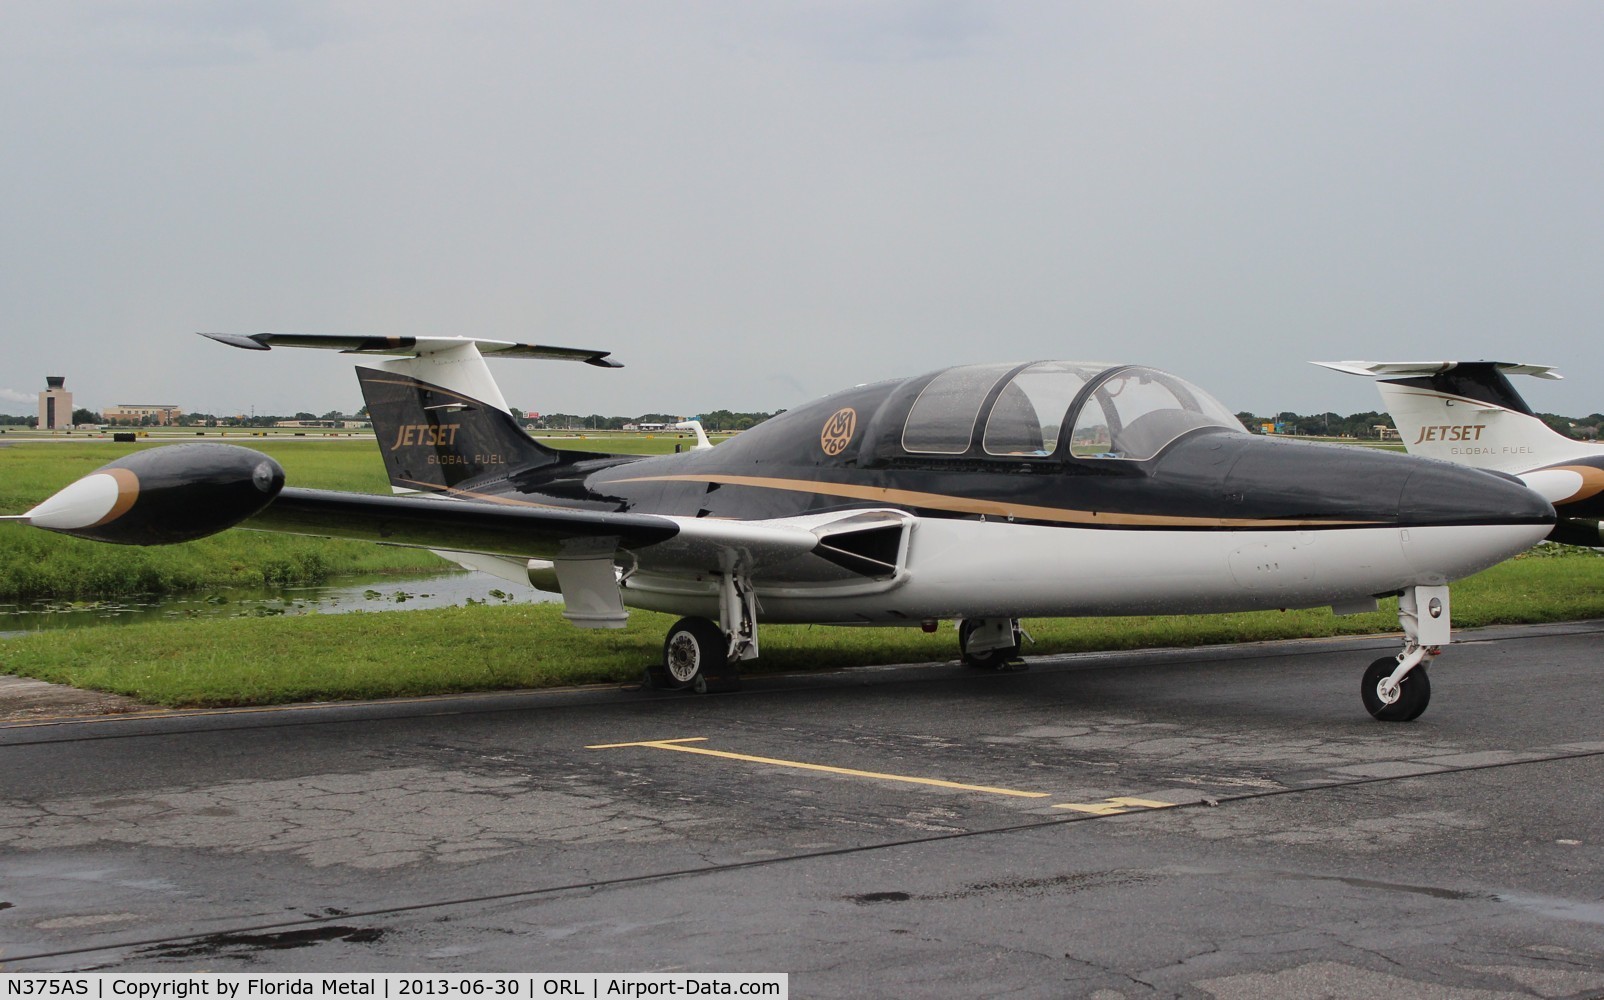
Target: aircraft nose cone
1451	521
1457	521
1330	483
1440	493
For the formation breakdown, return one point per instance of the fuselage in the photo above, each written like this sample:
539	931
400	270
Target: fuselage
1059	500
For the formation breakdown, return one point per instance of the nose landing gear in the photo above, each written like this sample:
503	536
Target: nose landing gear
1396	688
1405	700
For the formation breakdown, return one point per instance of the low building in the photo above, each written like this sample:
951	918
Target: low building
140	413
55	405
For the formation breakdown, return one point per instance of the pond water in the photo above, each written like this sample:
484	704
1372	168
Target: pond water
377	593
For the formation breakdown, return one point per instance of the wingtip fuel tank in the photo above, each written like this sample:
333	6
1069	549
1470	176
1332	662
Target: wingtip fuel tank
164	495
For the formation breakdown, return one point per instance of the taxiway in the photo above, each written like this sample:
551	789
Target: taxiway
1224	822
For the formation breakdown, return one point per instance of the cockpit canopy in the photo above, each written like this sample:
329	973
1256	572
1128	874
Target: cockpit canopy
1080	409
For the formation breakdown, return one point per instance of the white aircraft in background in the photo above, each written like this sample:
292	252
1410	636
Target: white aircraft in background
695	425
1467	412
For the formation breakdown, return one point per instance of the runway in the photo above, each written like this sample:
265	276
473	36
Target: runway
1225	822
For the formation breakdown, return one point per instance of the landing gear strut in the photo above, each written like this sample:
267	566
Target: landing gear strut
1396	688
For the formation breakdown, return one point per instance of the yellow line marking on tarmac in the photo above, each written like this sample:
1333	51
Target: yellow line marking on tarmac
1115	806
680	746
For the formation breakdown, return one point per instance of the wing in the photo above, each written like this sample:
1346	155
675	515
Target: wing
588	551
181	492
850	545
459	525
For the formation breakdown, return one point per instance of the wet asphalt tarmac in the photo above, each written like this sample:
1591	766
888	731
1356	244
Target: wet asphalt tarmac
1210	823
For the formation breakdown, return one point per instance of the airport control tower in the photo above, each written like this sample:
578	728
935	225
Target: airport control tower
55	405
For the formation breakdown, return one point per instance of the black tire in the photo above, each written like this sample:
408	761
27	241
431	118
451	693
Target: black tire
991	659
1414	693
694	652
1422	695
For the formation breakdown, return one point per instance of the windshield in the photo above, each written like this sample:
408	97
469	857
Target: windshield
1028	416
1135	412
942	420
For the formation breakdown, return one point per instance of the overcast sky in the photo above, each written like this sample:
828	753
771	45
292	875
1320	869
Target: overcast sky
753	204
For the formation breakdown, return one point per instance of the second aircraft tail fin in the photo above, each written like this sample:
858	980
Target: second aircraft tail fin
1464	411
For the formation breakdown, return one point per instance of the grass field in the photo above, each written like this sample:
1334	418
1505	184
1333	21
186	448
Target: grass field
250	661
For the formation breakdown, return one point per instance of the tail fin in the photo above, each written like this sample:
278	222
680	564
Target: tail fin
433	438
1465	412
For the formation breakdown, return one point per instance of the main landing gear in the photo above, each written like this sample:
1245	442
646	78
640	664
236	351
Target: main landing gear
991	643
1396	688
704	656
696	656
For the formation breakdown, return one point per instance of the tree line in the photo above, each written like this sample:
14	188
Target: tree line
1364	425
1354	425
713	421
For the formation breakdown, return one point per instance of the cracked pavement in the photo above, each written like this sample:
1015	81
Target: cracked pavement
372	820
1456	857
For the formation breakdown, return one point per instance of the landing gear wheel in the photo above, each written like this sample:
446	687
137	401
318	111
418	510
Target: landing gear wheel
991	659
1414	692
695	655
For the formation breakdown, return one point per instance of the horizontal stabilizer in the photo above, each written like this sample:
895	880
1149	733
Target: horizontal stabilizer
1426	369
412	347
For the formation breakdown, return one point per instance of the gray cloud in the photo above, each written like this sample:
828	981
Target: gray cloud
751	202
892	32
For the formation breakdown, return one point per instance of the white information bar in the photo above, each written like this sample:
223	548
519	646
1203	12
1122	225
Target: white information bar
389	986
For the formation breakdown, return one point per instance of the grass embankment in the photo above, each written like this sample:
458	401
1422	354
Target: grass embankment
250	661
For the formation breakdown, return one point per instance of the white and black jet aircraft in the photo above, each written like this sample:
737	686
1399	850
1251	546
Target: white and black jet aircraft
982	493
1468	412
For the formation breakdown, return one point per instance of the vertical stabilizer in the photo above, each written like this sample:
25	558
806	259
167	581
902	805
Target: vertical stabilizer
436	438
1443	425
1465	412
